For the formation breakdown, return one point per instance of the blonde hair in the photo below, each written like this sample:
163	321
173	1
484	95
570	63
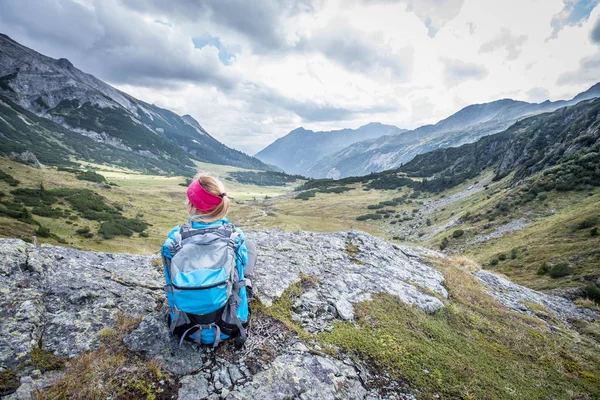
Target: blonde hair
213	186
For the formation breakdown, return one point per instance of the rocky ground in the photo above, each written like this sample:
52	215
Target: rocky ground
59	299
416	229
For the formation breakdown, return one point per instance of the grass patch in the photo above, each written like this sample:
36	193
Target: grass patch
472	348
281	309
45	360
112	371
9	382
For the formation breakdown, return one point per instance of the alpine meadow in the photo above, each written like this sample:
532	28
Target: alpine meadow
299	199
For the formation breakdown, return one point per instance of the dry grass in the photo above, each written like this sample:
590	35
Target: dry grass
465	263
112	371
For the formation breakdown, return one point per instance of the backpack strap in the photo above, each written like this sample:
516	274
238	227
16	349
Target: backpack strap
200	328
187	231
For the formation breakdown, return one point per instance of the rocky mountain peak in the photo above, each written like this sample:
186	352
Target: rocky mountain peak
85	105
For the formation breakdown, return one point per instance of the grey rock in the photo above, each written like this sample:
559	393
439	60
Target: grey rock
22	303
502	230
224	377
67	294
304	376
514	297
377	266
344	309
31	385
153	337
26	157
235	374
193	387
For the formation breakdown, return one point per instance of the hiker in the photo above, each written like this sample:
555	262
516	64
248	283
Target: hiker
208	265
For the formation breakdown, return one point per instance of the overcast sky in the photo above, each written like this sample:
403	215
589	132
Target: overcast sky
251	71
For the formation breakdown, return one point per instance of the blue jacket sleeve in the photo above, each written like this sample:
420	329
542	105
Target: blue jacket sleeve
168	248
241	252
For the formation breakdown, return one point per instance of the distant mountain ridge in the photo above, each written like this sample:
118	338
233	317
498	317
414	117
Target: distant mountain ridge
465	126
297	151
565	144
81	103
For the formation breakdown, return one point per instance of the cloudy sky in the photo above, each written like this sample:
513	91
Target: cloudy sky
251	71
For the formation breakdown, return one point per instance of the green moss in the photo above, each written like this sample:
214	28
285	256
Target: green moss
281	309
9	381
472	348
45	360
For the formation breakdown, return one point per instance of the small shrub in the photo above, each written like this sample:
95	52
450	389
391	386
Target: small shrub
494	262
458	233
587	223
305	195
47	211
375	206
560	270
9	381
85	232
91	176
594	231
543	268
592	292
502	257
42	231
8	179
514	253
368	216
541	196
444	243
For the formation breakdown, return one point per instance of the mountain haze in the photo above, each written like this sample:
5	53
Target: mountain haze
297	151
465	126
85	107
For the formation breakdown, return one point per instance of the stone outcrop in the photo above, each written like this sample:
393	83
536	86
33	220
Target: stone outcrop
519	298
26	157
60	298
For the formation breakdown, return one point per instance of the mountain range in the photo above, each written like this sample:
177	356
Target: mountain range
361	157
562	145
300	149
62	114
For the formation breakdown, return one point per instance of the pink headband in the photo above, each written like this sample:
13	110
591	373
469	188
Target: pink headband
201	199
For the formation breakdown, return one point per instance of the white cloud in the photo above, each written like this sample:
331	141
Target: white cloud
457	71
320	64
512	44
